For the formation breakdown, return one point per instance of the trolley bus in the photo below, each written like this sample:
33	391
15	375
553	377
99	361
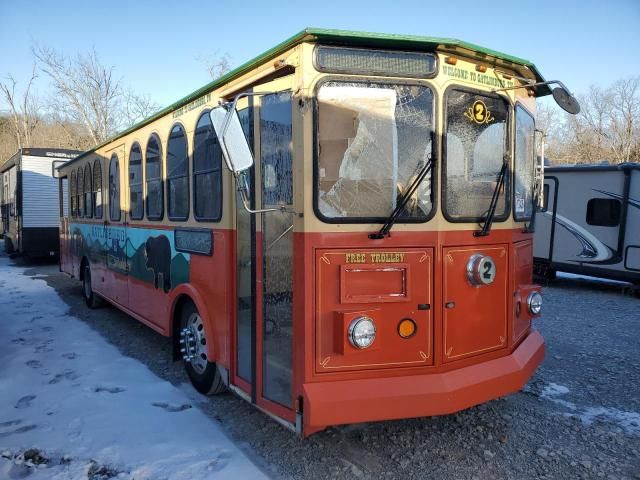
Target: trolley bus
338	231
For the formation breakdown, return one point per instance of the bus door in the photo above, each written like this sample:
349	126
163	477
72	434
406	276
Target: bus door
116	267
264	328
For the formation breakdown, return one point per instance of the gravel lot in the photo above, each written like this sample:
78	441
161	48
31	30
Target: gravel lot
579	417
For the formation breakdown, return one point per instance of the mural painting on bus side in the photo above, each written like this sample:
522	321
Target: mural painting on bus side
148	255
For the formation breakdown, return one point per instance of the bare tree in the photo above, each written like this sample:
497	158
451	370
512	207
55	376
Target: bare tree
137	107
23	109
88	93
217	65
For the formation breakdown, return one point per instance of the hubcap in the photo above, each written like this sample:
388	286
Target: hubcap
193	343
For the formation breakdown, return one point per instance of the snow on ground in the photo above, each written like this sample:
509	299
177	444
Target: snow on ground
88	410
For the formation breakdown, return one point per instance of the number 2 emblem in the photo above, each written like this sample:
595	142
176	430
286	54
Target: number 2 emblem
478	113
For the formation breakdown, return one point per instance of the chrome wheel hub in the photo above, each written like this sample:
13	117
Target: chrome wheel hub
193	343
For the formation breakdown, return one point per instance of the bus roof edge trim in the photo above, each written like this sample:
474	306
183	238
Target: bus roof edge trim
346	37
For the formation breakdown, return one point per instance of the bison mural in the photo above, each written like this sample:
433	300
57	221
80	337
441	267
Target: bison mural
157	255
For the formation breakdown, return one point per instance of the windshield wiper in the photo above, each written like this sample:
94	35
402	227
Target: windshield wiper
402	201
486	228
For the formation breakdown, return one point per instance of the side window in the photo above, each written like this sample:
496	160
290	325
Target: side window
135	183
114	188
80	191
72	193
604	212
177	174
88	192
207	175
153	171
97	189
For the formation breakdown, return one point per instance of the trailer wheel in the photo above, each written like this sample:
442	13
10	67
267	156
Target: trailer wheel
204	375
90	297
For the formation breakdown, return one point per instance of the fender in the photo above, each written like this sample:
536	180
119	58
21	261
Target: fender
193	294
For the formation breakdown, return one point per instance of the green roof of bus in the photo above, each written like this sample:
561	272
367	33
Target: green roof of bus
345	37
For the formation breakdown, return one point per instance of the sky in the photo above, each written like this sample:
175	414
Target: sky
158	47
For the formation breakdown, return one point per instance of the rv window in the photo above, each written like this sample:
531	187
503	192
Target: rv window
524	165
114	188
207	172
97	189
603	212
177	174
136	206
155	188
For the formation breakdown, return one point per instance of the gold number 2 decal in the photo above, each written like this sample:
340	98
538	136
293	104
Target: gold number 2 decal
479	111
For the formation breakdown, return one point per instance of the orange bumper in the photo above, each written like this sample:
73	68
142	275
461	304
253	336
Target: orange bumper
355	401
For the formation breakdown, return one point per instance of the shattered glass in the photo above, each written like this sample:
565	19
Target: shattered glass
373	139
475	149
525	164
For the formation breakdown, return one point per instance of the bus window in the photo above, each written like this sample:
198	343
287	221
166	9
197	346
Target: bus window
80	191
524	165
373	139
136	204
476	142
88	192
72	193
114	189
155	186
207	175
97	189
177	175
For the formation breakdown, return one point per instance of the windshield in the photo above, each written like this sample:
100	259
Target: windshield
525	164
373	139
476	141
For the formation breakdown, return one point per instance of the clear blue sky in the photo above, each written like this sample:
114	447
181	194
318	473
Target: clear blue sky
156	46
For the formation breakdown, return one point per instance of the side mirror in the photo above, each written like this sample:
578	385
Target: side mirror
235	148
565	100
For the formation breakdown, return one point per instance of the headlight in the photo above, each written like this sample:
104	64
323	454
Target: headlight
534	302
362	332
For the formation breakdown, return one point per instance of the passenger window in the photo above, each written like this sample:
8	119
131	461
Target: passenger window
136	203
155	187
72	193
88	192
97	189
177	175
207	174
604	212
80	192
114	188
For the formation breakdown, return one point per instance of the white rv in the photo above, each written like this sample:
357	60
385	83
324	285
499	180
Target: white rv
590	222
30	201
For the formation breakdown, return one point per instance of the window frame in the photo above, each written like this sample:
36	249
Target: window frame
141	183
520	105
443	157
72	193
114	157
611	201
98	163
160	217
88	194
187	174
435	148
220	200
80	191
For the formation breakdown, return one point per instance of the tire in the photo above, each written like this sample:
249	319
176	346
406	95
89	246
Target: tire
204	375
90	297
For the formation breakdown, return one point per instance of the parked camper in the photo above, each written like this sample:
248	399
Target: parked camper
589	222
30	201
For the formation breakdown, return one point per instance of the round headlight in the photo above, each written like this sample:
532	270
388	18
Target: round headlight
362	332
534	301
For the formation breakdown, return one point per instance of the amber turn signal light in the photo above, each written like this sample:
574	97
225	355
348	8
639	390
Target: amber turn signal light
407	328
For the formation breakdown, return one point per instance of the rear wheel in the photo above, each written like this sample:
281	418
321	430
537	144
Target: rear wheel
90	297
204	375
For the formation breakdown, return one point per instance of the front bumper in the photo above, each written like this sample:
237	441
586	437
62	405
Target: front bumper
366	400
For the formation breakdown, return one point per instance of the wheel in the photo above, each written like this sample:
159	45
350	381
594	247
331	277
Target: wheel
204	375
92	298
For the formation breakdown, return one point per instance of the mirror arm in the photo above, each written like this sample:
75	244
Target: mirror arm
528	85
247	204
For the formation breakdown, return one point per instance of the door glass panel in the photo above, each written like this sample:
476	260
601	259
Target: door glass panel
245	226
277	246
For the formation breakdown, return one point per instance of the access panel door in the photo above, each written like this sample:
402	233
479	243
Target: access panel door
475	316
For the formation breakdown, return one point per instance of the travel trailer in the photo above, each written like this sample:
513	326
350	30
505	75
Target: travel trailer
29	201
589	222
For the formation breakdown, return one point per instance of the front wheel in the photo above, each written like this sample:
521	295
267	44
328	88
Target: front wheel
204	375
90	297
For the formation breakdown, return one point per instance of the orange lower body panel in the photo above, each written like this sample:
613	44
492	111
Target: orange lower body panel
366	400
